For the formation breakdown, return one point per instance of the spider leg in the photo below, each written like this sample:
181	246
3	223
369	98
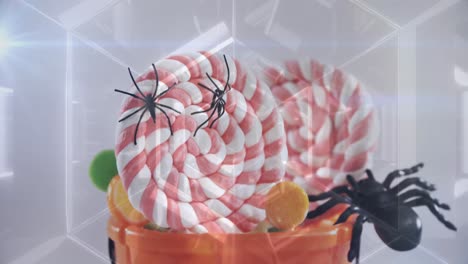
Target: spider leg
134	82
138	126
222	109
202	111
355	247
163	93
415	193
157	82
412	181
204	122
168	107
209	77
430	205
228	73
353	183
220	114
332	193
347	213
321	209
130	115
206	88
370	175
399	173
127	93
167	117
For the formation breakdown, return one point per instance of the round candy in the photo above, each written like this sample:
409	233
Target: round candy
216	180
102	169
330	122
287	205
119	205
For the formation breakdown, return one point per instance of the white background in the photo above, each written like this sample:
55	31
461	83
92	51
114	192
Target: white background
58	109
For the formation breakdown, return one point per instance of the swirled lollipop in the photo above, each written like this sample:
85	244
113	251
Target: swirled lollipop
200	160
330	122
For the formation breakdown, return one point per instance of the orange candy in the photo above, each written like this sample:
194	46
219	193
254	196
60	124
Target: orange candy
119	205
286	206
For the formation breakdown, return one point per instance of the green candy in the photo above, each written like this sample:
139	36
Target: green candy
102	169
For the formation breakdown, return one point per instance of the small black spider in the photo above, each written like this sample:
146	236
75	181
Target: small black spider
395	222
217	102
150	103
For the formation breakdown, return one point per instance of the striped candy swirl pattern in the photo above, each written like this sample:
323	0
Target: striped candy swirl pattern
217	180
330	122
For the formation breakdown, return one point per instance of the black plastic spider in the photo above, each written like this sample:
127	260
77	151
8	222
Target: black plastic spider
217	102
395	222
150	103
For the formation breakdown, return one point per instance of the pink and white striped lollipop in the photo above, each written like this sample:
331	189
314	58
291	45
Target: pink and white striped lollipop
330	123
217	180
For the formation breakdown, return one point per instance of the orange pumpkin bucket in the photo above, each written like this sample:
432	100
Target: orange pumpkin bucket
318	241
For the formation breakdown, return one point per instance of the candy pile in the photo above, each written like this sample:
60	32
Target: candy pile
202	147
330	123
286	204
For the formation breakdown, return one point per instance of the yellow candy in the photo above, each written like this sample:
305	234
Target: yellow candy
262	227
287	205
119	205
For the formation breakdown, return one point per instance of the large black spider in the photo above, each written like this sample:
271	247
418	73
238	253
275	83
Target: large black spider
217	102
150	103
395	222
